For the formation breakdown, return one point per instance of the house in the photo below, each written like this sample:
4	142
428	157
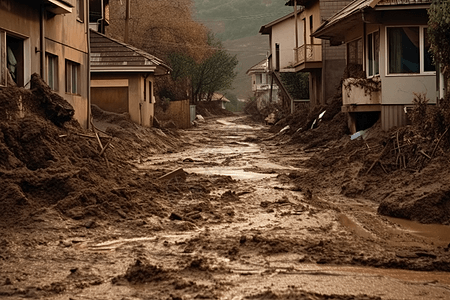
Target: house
386	41
221	98
293	49
263	87
48	37
122	78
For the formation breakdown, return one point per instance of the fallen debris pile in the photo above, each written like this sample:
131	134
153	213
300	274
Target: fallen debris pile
49	163
402	170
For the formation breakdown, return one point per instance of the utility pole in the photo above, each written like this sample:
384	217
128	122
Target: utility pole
127	20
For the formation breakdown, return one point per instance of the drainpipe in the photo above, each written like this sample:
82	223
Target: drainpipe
127	20
296	26
88	70
42	41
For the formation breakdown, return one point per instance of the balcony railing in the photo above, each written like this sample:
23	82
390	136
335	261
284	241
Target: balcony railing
308	53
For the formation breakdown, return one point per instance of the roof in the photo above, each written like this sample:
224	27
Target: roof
110	55
262	66
219	97
357	6
267	29
299	2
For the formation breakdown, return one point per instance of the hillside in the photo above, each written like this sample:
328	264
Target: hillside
236	19
237	24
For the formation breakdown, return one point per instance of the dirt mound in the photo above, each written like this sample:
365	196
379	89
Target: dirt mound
142	272
211	109
47	161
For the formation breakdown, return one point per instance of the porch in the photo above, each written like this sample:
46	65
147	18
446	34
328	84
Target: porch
308	57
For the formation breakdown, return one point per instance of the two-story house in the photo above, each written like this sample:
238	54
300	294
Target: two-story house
387	41
48	37
263	87
293	49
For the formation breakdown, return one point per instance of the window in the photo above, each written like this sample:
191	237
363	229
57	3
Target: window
355	53
15	59
373	53
52	71
428	65
80	10
408	50
72	77
150	92
258	78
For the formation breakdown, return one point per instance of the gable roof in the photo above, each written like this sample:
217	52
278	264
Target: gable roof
262	66
267	29
110	55
357	7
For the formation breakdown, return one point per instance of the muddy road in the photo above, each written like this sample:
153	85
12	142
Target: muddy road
236	226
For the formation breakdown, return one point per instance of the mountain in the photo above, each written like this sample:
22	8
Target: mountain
237	24
236	19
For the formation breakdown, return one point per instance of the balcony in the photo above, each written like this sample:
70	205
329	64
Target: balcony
308	57
361	94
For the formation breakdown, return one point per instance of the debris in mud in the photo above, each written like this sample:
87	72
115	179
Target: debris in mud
294	293
141	272
229	196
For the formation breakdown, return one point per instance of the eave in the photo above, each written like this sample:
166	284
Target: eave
58	7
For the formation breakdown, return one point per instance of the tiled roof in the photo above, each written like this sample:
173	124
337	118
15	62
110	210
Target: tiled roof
108	54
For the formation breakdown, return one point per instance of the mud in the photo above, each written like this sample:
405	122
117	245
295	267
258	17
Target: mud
272	217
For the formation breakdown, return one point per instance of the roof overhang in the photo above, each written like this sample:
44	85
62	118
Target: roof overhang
335	28
58	7
156	70
299	2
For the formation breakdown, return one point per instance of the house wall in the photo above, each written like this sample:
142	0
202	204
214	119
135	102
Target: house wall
283	34
139	106
65	37
333	57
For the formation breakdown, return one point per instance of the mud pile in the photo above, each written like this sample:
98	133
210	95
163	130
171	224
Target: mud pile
401	169
50	166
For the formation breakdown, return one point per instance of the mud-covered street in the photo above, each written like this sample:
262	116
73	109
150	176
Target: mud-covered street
236	223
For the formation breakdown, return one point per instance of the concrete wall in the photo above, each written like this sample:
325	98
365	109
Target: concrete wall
65	37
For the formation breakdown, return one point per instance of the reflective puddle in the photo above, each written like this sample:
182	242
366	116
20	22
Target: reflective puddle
439	233
233	173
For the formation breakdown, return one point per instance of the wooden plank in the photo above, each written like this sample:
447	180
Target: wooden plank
176	173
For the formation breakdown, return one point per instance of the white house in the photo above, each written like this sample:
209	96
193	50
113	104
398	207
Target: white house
387	40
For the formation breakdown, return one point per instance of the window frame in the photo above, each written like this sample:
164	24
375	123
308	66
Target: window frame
80	10
53	84
371	37
72	68
422	71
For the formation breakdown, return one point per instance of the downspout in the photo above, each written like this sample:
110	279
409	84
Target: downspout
88	70
42	41
364	38
102	24
127	20
296	46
